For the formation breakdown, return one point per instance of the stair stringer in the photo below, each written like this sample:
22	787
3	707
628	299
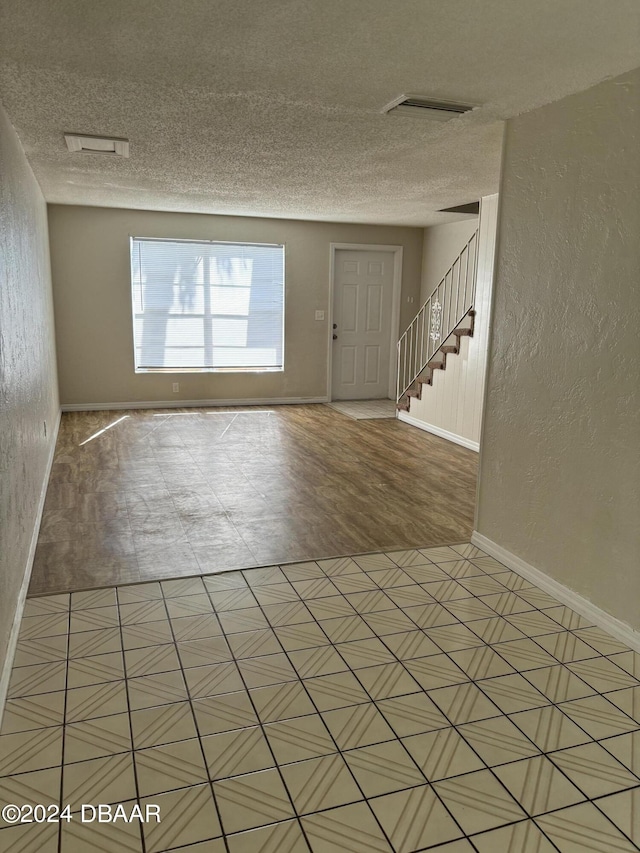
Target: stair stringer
449	348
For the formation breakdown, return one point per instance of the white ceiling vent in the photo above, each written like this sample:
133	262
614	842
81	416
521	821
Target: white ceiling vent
97	144
423	107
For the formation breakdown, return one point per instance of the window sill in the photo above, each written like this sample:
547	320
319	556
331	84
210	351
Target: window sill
177	370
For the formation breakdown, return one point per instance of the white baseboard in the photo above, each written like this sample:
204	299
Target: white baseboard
5	673
442	433
191	404
618	629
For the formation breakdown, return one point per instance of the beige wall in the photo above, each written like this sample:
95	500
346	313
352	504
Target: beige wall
560	457
452	406
28	388
92	293
442	245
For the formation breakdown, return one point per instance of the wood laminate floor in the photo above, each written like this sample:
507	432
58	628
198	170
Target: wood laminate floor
146	495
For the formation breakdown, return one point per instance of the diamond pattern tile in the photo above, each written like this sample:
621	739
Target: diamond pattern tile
164	724
224	713
598	717
252	800
497	740
172	765
592	769
441	754
414	818
628	701
31	750
320	783
396	702
101	780
549	728
336	691
513	693
356	726
464	703
558	683
39	786
626	748
387	680
283	837
409	715
237	752
383	768
76	837
281	701
188	816
478	801
584	829
624	810
299	738
352	829
97	738
33	712
523	837
538	785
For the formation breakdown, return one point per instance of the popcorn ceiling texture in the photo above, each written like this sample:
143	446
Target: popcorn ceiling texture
28	385
273	109
560	469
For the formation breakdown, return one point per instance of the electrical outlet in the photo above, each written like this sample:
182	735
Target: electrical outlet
176	387
319	315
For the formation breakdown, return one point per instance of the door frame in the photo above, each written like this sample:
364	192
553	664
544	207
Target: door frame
395	307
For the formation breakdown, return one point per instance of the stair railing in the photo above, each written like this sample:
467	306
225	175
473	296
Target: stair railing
445	308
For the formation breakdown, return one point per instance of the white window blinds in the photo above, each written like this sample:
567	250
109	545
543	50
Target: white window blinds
207	306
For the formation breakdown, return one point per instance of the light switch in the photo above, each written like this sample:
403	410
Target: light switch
319	315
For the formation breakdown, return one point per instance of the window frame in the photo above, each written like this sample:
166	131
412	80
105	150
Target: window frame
133	239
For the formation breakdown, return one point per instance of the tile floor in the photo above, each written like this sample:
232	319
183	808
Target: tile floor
415	700
363	410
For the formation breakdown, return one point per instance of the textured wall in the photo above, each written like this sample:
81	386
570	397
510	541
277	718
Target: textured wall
442	245
28	387
560	460
454	401
92	292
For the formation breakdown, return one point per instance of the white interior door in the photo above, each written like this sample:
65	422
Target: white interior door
362	304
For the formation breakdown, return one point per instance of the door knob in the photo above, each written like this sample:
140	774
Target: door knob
335	337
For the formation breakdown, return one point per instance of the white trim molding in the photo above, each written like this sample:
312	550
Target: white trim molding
441	433
395	306
618	629
5	673
191	404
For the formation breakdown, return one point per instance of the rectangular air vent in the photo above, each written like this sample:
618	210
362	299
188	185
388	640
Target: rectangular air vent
97	144
423	107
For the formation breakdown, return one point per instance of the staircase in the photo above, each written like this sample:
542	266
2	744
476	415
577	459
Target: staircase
446	317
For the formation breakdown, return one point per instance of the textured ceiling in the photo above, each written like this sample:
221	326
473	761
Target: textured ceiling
272	107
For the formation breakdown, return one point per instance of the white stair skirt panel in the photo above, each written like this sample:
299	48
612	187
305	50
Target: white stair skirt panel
442	433
620	630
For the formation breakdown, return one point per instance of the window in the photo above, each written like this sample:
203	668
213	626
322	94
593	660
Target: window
205	306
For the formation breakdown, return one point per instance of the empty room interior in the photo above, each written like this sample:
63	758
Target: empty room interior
319	426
